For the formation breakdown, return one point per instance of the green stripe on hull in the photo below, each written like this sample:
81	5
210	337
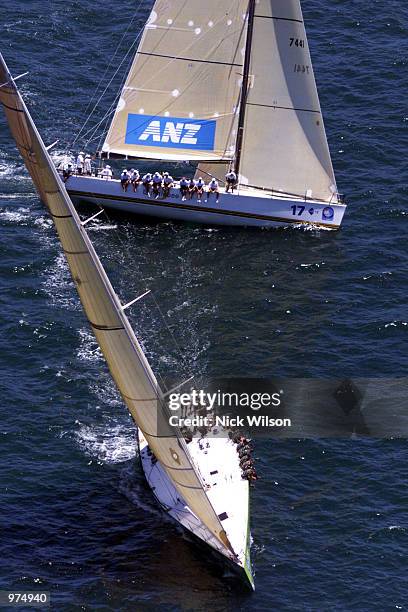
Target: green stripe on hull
247	562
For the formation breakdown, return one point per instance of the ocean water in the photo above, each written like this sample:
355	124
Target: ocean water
329	517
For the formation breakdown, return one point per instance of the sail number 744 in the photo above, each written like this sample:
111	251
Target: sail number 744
297	42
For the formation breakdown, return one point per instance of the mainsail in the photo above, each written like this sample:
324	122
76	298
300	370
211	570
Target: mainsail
127	363
284	143
181	97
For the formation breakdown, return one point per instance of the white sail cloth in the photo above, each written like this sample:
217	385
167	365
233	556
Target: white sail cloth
284	146
180	99
127	363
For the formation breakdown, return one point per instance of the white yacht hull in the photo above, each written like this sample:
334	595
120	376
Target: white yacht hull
246	207
227	491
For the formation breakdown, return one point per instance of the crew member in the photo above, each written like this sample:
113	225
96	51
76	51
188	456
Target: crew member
200	186
157	183
107	173
183	188
134	179
88	165
231	179
147	183
125	179
80	163
66	171
191	188
168	183
213	188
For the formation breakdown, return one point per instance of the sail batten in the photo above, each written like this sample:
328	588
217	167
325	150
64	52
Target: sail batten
181	96
126	360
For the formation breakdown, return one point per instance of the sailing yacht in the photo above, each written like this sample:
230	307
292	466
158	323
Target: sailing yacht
223	85
203	491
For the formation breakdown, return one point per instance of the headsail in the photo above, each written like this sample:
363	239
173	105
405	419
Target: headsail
181	96
125	358
284	145
209	171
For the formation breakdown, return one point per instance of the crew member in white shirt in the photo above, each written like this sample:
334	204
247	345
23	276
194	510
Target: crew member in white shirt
107	173
80	163
134	179
125	179
67	170
213	187
147	183
231	179
168	183
88	165
157	183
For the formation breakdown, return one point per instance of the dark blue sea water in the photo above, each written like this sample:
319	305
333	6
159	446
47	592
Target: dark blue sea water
329	518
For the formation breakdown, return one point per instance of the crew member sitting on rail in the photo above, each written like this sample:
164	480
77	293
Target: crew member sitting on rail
107	173
183	188
191	188
231	179
125	179
213	188
200	185
88	165
134	179
157	183
147	183
168	183
80	163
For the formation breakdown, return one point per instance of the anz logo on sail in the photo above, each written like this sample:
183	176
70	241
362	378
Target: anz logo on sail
170	132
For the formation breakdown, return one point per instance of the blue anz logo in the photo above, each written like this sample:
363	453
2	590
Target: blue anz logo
170	132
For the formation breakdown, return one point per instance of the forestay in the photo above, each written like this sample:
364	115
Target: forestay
284	146
181	96
125	358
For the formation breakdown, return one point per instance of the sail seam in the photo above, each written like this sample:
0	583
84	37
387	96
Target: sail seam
278	18
188	59
75	252
303	110
17	110
133	399
105	327
60	216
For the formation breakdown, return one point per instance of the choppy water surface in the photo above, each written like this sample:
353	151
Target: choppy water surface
329	518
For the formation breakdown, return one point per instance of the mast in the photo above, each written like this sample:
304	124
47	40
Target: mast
245	84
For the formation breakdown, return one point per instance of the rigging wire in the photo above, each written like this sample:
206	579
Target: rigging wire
184	363
106	70
112	108
110	82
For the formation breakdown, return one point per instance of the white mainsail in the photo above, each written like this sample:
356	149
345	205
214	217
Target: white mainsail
284	144
125	358
181	96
